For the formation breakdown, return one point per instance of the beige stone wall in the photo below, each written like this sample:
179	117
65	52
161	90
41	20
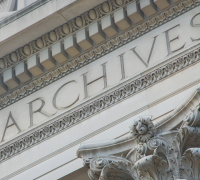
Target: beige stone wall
149	76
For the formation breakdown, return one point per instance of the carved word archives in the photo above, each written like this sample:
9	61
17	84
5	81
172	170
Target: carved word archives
85	83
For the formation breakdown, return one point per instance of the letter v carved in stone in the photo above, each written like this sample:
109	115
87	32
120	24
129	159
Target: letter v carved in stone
146	63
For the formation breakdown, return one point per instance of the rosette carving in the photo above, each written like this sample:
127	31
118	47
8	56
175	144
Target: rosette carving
170	154
143	129
174	154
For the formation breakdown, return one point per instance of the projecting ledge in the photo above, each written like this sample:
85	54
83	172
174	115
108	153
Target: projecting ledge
107	147
164	125
22	73
148	7
162	4
83	39
121	19
71	46
10	79
47	60
59	53
3	87
108	26
96	33
134	12
34	66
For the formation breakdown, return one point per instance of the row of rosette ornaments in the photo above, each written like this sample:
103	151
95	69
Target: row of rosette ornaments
72	46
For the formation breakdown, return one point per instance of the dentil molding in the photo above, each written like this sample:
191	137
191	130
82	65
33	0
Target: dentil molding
101	104
60	32
94	54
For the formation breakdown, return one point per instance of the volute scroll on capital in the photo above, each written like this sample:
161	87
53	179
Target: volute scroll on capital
146	153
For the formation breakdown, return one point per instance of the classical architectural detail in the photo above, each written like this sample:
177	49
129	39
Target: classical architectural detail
136	85
152	167
119	83
106	48
142	129
190	164
183	153
174	154
59	33
110	168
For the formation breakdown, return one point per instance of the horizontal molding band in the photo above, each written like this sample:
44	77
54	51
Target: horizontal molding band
118	121
59	33
100	104
94	54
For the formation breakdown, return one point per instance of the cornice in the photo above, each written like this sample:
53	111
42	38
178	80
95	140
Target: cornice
59	33
96	53
99	104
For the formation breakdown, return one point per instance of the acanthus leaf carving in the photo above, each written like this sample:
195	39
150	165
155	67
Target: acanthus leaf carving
152	168
32	88
153	157
190	164
108	168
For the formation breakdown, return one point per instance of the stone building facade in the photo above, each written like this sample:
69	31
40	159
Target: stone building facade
100	89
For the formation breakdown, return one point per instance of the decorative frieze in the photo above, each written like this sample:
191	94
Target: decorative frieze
36	68
76	46
101	103
59	33
174	154
142	126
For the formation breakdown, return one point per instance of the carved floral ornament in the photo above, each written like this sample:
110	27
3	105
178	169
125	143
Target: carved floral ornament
170	155
93	15
60	32
100	51
110	99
